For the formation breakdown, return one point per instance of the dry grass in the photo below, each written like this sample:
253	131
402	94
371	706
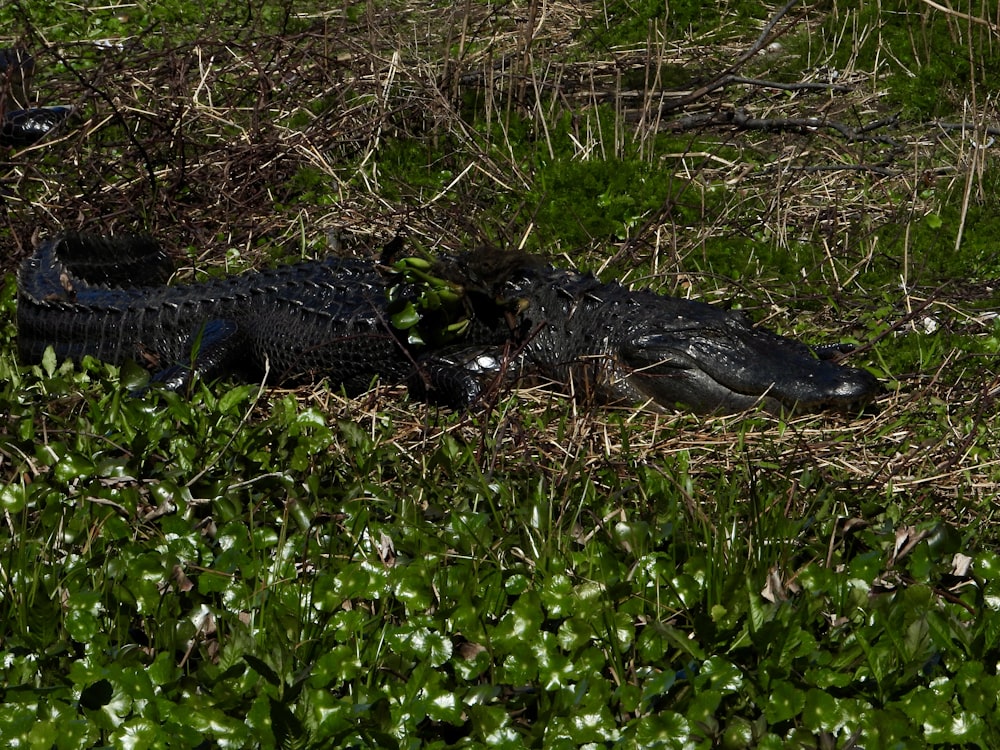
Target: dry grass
200	140
201	144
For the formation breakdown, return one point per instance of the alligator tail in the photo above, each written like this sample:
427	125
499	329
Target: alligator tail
65	300
124	261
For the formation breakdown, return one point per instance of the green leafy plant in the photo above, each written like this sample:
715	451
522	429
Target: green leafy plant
428	308
246	566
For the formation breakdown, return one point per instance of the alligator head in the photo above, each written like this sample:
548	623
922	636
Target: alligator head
633	346
725	364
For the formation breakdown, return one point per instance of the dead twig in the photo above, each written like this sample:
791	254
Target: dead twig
797	86
873	168
720	80
739	117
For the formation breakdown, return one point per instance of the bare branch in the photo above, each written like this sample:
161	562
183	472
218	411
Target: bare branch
721	79
974	19
739	118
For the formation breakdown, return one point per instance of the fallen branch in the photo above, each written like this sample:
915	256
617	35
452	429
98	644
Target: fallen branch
873	168
799	86
611	95
964	126
720	80
739	118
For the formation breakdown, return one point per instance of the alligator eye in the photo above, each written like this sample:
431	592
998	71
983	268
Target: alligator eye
485	363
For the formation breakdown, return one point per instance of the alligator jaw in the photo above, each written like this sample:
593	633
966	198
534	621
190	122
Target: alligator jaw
696	390
724	374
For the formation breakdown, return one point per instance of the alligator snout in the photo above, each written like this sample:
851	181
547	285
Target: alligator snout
729	365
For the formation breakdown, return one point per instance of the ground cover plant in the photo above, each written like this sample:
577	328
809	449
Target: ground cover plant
247	566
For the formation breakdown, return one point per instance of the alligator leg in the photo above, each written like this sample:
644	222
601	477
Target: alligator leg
212	346
25	127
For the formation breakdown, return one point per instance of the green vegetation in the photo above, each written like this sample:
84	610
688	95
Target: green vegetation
630	21
936	59
580	202
245	566
216	560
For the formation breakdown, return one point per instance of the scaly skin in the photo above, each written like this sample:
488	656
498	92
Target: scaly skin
329	318
614	344
301	322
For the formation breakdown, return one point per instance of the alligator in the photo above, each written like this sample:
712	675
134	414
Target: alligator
105	297
23	125
612	344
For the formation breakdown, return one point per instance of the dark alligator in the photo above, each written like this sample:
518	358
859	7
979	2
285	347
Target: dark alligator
21	124
329	318
614	344
106	297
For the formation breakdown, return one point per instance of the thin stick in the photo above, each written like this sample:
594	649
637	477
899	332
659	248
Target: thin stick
991	26
720	80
